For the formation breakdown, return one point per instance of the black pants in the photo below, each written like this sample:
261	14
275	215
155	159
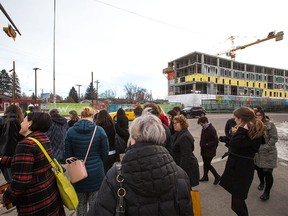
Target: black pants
239	206
207	166
265	177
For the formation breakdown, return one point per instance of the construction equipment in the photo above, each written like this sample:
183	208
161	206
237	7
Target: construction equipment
232	52
10	31
169	72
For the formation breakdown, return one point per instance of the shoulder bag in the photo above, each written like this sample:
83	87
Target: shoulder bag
76	168
66	189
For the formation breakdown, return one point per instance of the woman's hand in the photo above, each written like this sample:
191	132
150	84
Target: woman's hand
234	129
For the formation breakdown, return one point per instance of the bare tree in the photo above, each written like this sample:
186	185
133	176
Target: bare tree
136	94
108	94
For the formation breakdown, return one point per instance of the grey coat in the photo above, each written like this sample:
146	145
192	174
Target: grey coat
267	153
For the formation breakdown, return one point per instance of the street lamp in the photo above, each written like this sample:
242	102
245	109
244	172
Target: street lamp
78	90
35	69
54	76
97	83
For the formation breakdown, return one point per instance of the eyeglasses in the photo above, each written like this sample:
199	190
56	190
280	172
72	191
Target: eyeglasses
176	123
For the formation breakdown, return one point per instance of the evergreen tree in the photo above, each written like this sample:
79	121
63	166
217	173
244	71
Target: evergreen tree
90	92
5	86
33	96
73	95
17	87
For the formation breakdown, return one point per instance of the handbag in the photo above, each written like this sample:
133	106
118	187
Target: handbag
120	144
195	197
76	168
66	189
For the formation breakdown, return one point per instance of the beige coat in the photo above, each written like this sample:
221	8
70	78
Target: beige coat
267	154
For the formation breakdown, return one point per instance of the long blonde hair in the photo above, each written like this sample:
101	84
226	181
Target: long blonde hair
256	127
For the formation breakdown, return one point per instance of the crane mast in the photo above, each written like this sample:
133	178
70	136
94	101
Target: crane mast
232	52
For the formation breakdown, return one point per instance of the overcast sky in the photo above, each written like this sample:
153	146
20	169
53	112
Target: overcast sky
131	41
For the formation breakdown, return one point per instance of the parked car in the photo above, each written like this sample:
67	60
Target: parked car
129	113
193	111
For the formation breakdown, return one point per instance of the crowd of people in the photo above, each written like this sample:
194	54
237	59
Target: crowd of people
159	168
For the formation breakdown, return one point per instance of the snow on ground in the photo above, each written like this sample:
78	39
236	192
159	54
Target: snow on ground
282	144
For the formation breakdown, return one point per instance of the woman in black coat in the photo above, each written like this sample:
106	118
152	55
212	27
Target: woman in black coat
9	137
182	149
239	170
104	120
122	124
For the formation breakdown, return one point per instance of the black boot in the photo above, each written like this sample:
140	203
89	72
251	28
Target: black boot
217	180
261	186
204	178
265	196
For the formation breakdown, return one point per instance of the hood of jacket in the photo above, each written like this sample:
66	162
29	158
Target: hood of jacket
149	170
84	126
59	119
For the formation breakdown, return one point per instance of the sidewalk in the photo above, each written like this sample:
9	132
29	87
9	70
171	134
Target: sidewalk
215	201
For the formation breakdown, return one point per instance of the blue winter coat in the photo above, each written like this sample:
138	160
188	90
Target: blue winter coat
76	145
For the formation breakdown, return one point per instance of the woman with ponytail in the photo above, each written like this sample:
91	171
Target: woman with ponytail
239	171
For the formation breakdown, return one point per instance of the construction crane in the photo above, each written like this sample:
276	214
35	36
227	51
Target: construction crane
232	52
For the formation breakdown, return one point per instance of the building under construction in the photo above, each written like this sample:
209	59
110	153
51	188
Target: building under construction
222	84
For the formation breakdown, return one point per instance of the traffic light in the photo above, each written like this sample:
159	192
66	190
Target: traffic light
10	31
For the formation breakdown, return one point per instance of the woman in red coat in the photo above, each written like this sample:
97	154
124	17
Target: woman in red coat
33	189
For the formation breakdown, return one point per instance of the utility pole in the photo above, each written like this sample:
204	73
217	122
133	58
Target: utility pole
92	88
78	90
97	82
14	80
54	76
36	84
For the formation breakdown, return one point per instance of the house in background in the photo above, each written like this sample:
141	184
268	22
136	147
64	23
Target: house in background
6	101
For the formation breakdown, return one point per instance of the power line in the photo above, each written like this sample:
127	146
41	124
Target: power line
149	18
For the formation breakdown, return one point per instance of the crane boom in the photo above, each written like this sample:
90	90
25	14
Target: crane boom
232	52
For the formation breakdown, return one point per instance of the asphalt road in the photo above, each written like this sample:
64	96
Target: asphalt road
215	201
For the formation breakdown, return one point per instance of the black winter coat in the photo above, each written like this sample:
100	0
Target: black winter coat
239	170
155	185
121	127
182	148
209	141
